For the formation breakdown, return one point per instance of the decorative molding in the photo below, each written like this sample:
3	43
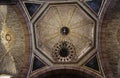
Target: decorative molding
43	23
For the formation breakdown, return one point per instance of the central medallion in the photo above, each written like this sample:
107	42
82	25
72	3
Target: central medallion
64	30
64	52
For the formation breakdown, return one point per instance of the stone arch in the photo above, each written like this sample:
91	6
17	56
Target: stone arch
64	72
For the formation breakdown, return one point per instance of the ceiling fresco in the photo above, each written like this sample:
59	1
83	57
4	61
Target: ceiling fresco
12	42
42	36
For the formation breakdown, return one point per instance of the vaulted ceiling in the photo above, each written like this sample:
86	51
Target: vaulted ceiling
47	38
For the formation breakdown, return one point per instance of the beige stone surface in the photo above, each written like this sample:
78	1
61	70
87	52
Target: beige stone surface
80	26
12	43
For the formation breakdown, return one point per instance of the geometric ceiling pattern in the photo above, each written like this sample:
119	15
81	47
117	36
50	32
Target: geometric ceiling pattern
63	34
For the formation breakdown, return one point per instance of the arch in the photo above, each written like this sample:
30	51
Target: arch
64	72
104	56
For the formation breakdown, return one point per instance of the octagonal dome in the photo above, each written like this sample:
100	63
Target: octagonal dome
64	32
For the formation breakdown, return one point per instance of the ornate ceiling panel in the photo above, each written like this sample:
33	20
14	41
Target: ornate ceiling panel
64	32
13	48
63	35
